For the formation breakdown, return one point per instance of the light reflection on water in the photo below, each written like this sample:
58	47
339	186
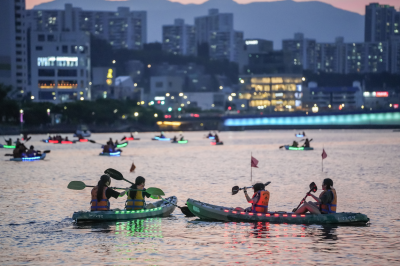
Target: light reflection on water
36	225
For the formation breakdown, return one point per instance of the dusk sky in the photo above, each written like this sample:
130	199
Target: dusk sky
357	6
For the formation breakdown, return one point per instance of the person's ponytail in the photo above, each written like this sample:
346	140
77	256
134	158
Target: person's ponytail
104	179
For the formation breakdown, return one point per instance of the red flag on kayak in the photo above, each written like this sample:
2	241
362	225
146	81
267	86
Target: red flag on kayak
254	162
324	155
133	167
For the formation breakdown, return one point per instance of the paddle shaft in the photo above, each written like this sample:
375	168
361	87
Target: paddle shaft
302	201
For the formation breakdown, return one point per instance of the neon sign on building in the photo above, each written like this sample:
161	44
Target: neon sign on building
61	61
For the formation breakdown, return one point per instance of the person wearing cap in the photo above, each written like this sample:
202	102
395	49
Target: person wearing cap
326	203
102	193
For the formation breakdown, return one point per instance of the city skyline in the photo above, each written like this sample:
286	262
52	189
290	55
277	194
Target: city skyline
357	6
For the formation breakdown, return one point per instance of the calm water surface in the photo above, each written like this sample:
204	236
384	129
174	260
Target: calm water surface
36	225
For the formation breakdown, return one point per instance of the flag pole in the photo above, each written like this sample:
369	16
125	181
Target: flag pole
322	162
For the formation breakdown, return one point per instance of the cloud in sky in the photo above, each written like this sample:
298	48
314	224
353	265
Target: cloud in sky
357	6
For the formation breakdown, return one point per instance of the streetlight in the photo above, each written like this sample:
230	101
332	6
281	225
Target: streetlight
136	114
155	115
48	112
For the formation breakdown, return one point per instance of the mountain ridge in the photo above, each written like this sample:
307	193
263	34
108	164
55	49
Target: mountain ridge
265	20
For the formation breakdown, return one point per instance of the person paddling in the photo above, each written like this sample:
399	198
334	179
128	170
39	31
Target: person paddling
216	138
31	152
101	193
181	137
295	144
175	139
259	201
135	200
326	202
8	142
306	144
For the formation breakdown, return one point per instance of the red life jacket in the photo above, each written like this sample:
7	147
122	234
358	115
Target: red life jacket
262	204
102	205
330	207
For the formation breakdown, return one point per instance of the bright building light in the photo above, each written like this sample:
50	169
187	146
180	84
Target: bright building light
79	98
181	94
32	97
242	81
220	87
167	94
155	115
114	61
136	114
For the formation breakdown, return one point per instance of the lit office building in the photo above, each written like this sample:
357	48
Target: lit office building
381	22
179	38
216	29
394	52
252	46
59	66
13	56
122	29
281	92
303	51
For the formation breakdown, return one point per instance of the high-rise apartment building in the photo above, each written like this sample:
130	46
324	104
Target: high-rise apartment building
302	49
216	29
330	56
122	29
381	22
366	57
13	46
179	38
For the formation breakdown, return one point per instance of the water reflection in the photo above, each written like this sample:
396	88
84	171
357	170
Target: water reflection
148	228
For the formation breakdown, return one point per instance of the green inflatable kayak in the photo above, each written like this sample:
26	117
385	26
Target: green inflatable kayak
290	148
163	208
207	211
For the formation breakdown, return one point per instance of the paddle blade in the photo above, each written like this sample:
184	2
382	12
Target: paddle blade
313	187
76	185
185	210
114	174
27	139
266	184
235	190
92	141
47	151
155	191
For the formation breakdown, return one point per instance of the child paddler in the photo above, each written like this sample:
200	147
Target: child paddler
135	199
101	194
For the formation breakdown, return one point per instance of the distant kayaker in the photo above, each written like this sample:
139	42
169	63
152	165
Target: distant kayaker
181	137
210	134
295	144
101	193
31	152
116	142
306	144
135	200
304	134
9	142
325	203
259	201
216	138
162	135
16	153
175	139
17	142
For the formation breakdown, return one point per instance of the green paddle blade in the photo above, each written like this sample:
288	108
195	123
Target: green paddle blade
76	185
114	174
155	191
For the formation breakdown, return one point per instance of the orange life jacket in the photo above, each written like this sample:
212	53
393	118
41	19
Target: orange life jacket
262	204
103	205
331	207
